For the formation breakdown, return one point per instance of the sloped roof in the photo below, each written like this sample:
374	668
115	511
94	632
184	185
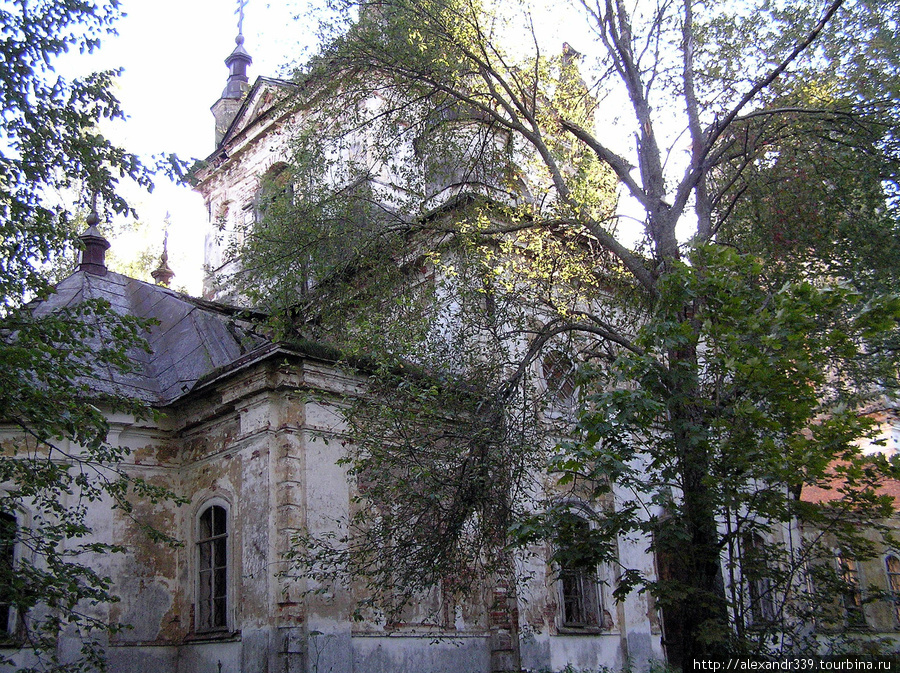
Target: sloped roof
193	337
257	105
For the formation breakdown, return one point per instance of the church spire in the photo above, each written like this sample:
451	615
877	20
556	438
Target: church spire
225	109
163	274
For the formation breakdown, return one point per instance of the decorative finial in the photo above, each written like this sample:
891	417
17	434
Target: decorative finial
238	61
93	219
163	274
226	108
240	12
93	256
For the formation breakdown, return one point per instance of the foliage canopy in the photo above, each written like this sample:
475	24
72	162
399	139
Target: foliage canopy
455	214
57	462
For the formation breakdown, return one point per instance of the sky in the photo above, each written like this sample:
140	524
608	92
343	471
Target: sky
172	53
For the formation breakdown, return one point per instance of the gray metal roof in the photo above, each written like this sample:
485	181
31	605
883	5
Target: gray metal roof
193	338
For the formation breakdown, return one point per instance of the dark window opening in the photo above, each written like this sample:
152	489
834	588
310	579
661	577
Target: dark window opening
852	593
8	530
581	599
212	554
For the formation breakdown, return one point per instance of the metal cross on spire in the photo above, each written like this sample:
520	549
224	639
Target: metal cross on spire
240	12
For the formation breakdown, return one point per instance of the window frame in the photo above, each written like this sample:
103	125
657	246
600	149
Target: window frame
225	539
558	373
579	586
850	573
9	552
761	608
250	215
590	585
893	587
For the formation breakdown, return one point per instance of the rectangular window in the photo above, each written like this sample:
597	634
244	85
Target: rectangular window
759	582
852	594
579	587
892	566
249	215
7	574
579	596
212	555
560	381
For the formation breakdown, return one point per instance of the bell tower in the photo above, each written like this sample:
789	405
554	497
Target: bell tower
225	109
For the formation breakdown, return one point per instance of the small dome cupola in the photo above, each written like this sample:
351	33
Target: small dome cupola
93	257
237	63
163	274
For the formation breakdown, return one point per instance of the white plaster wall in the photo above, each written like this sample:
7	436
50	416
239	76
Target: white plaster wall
420	655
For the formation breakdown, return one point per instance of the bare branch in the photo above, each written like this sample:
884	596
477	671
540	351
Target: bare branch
702	205
620	166
699	165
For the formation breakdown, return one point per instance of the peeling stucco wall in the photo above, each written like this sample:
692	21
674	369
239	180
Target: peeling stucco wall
265	443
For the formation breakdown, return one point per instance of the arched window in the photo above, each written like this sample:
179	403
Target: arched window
756	572
581	600
8	528
220	218
892	567
275	186
212	569
848	567
559	378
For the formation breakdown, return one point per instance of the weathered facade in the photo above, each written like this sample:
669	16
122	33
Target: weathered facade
281	410
250	435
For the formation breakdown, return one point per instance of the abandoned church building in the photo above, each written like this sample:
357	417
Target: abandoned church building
243	436
250	435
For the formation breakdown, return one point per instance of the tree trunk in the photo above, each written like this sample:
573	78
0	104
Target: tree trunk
704	629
